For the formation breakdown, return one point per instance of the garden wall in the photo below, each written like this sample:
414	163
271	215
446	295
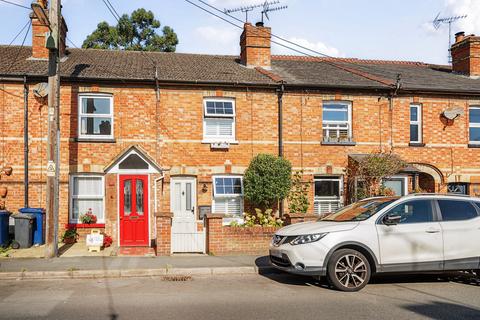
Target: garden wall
227	240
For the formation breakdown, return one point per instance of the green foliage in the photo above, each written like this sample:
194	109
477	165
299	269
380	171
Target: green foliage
267	180
135	32
371	170
264	219
70	233
298	197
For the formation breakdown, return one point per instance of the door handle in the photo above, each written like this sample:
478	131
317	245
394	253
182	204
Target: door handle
431	230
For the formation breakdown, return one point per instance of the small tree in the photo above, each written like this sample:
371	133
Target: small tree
298	196
267	180
371	170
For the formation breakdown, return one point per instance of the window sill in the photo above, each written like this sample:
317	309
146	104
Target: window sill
338	143
473	145
217	141
416	144
84	225
93	140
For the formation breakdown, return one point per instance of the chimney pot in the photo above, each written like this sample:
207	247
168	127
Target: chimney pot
459	36
259	24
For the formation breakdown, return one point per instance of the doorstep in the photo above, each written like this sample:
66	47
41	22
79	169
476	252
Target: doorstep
136	252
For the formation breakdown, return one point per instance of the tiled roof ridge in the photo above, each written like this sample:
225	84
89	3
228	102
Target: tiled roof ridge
273	76
347	60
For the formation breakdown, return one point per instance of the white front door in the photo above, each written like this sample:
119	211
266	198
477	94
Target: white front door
186	236
416	242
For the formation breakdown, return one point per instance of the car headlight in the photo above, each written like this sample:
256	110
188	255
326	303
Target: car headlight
307	238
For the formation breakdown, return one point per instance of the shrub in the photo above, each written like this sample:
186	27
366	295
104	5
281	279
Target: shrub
264	219
267	180
298	197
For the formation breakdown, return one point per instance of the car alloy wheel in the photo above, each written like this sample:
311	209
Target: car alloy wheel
351	271
348	270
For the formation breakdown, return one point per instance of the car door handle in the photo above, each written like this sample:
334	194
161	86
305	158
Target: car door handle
431	230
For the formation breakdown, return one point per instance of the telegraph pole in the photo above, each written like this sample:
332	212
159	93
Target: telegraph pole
53	164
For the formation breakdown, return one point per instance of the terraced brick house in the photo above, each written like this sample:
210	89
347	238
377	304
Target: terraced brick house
149	156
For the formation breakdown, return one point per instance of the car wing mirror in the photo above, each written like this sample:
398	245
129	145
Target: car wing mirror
391	220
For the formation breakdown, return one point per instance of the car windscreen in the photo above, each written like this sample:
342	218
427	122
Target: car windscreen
359	211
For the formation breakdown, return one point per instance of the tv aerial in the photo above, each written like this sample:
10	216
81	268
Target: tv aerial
437	23
265	8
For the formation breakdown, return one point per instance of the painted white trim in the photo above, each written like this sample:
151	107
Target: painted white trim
417	122
71	197
80	114
211	139
472	125
116	169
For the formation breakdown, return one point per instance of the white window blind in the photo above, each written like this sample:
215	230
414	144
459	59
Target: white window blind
229	206
87	193
219	120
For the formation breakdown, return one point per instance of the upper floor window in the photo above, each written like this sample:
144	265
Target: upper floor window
337	121
95	116
474	125
219	120
416	123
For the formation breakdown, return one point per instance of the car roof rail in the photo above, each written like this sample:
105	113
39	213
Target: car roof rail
439	195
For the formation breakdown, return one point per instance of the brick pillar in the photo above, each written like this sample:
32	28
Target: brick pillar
111	206
292	218
164	233
214	230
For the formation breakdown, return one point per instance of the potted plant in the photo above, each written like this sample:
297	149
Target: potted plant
88	217
70	236
107	240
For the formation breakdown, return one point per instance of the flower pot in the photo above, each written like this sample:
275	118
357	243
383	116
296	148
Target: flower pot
71	240
3	192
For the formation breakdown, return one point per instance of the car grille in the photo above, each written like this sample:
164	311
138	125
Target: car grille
281	262
279	240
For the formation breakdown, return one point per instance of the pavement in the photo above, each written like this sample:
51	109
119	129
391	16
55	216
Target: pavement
250	296
115	267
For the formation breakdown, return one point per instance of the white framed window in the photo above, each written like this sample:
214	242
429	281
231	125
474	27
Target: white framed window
474	125
87	193
398	184
95	116
228	195
218	120
337	121
416	123
328	196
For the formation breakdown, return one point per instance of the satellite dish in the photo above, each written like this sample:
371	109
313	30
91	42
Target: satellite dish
40	90
453	113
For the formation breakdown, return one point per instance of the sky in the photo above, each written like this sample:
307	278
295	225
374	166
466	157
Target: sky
370	29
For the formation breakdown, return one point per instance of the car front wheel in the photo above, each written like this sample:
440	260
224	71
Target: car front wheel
348	270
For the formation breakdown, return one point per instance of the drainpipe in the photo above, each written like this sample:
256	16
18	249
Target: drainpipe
155	202
25	140
280	92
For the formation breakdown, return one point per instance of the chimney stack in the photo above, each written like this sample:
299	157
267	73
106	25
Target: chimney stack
40	33
255	46
466	55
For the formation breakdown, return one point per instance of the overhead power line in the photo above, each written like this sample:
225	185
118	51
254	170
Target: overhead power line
19	32
115	14
16	58
273	35
15	4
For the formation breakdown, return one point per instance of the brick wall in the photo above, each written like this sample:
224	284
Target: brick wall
226	240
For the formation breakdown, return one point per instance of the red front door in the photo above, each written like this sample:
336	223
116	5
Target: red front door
133	210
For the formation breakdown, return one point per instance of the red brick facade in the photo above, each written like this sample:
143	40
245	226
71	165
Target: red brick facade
170	131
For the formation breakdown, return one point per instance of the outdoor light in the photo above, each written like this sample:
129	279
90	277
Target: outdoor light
204	188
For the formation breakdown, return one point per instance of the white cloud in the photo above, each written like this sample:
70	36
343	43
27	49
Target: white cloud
471	24
317	46
218	40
